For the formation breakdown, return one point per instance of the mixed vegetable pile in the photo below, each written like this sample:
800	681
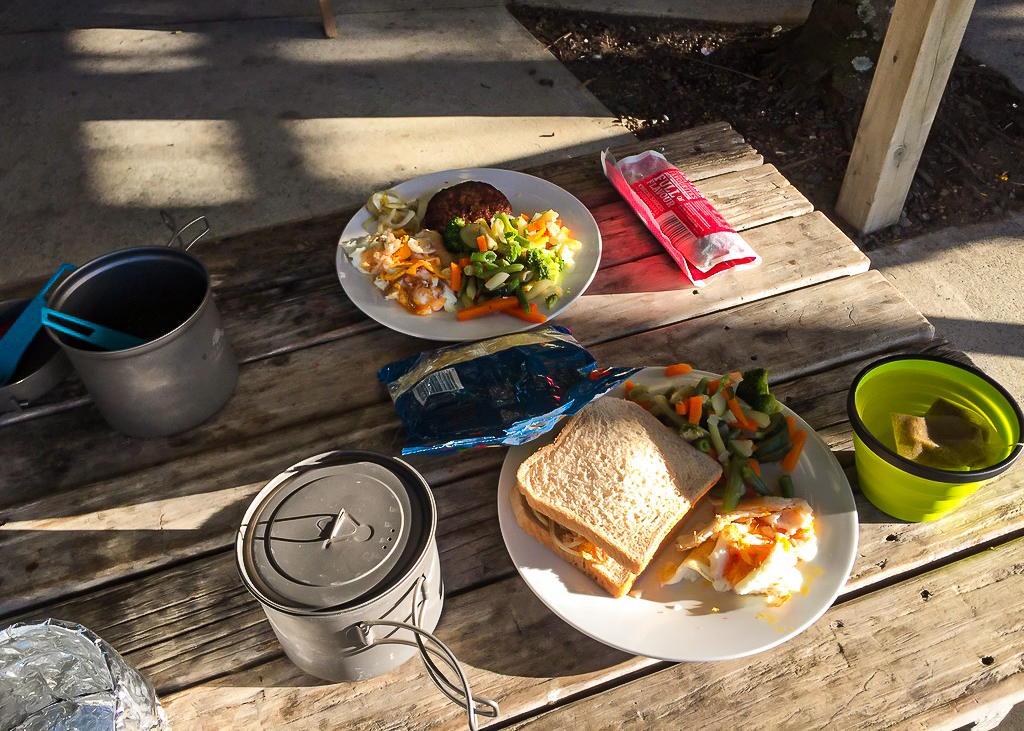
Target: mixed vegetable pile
737	421
508	264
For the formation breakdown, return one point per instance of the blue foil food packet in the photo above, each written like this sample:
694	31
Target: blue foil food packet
506	390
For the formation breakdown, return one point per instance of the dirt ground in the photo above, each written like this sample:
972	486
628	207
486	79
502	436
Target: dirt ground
662	75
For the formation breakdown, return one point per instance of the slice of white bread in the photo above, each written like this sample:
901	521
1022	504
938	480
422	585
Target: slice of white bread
610	575
618	477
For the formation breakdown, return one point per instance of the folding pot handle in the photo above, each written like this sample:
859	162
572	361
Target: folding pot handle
168	220
460	693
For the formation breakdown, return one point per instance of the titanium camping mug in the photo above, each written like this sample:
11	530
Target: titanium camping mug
183	372
340	550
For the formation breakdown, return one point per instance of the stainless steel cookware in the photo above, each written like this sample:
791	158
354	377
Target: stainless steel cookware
340	551
183	372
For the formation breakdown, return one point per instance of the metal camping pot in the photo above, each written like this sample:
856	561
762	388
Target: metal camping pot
340	551
184	372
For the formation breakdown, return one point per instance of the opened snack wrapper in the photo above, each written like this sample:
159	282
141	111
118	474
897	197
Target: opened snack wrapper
506	390
684	221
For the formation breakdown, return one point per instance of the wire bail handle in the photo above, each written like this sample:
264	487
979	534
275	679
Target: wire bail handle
459	694
176	232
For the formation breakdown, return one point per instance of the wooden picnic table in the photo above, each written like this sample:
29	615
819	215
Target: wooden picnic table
134	538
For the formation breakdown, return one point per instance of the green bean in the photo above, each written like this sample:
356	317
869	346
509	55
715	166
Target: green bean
680	394
785	485
509	269
484	256
733	486
773	443
752	479
776	422
703	444
521	296
639	393
660	407
692	432
701	388
716	437
774	456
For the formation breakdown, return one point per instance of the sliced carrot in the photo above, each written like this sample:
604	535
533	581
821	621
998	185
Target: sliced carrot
455	281
528	316
791	422
735	377
695	409
464	262
789	461
537	225
678	369
713	454
755	466
494	305
681	408
713	385
741	418
629	386
481	243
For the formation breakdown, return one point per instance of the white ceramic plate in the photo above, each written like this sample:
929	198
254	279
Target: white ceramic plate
690	621
527	194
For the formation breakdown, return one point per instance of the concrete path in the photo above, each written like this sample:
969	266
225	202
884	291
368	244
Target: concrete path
114	111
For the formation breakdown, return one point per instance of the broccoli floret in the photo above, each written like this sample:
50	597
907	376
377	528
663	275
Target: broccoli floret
541	262
753	385
452	239
514	250
766	403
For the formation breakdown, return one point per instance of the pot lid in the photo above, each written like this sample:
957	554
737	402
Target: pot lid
321	537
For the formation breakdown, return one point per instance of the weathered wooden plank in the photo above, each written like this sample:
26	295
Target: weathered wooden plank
702	152
277	289
187	623
302	386
835	321
170	511
788	248
294	314
917	54
867	661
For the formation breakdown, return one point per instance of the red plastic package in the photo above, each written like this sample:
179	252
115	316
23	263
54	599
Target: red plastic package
684	221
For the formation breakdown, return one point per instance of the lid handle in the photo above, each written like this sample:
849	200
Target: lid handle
458	694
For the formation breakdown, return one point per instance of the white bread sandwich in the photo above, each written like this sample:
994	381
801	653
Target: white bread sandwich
610	489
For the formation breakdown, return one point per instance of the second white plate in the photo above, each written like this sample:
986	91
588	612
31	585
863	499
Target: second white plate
690	621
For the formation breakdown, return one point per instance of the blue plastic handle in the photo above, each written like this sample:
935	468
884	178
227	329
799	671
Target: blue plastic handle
24	329
101	337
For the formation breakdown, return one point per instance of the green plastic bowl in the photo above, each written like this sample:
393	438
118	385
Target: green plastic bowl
909	384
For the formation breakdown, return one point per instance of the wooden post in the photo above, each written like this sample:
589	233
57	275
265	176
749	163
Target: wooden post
330	27
917	55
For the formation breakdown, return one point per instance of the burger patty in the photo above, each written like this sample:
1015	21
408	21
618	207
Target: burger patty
470	200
